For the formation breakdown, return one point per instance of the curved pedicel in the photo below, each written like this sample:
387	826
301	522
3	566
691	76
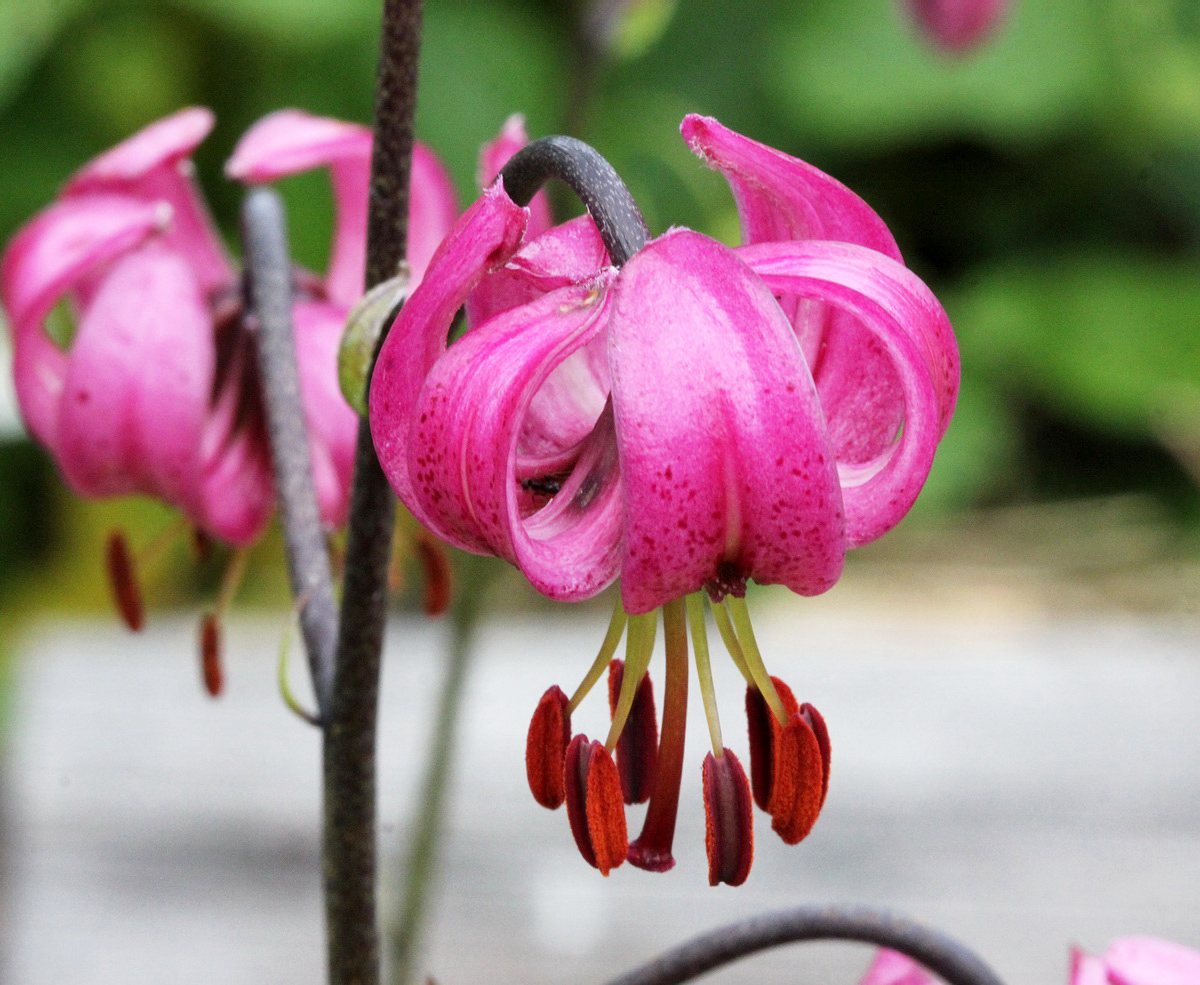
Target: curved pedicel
932	948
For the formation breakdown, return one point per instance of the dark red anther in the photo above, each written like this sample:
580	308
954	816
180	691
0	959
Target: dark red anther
210	655
637	746
595	806
800	780
439	580
764	731
123	579
546	748
817	722
202	545
729	828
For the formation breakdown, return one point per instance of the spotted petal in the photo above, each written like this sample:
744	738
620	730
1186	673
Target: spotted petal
724	458
905	324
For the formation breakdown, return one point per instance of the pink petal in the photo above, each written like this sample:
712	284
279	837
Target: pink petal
291	141
893	968
1086	969
138	382
496	154
154	165
957	25
68	242
485	237
1151	961
332	425
238	489
469	419
905	319
724	458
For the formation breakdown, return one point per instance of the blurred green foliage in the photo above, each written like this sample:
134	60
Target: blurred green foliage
1047	186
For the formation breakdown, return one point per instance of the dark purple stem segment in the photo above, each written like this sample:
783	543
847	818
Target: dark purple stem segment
935	950
350	850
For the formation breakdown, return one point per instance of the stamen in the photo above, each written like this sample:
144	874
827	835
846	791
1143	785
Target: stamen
123	581
729	827
595	807
616	626
764	732
695	613
816	722
729	638
210	655
799	780
639	645
637	747
546	748
753	657
652	849
231	581
202	544
439	577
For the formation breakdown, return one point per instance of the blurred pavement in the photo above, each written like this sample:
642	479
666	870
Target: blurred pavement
1025	783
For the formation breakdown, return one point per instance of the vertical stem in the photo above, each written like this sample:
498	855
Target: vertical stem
349	843
269	269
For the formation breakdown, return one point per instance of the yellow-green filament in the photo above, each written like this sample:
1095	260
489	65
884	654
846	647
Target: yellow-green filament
754	660
150	554
638	646
729	638
695	614
231	581
616	626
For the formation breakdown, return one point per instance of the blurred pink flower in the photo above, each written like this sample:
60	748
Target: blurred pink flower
1137	961
894	968
957	25
699	417
155	390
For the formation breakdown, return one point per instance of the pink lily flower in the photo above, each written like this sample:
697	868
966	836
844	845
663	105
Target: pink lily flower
696	418
957	25
157	391
1137	961
894	968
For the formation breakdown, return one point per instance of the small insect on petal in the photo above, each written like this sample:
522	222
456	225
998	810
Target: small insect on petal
439	581
546	748
729	828
798	785
210	655
595	806
765	730
637	748
123	579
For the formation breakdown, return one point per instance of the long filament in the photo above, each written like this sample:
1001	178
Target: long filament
729	638
695	614
231	581
616	626
754	660
639	645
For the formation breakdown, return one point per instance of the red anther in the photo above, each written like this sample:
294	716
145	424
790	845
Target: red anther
439	578
764	729
546	748
729	828
202	544
595	806
210	655
817	722
798	783
637	746
123	580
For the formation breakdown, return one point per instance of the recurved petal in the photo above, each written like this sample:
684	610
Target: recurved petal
63	245
724	459
495	155
1151	961
780	197
138	381
894	968
432	209
462	458
484	238
154	165
332	425
899	316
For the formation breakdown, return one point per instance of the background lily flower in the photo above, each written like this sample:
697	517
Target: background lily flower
1137	961
155	389
698	417
957	25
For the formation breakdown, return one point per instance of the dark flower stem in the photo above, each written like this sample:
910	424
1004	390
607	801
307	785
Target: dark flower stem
936	951
350	850
269	285
591	177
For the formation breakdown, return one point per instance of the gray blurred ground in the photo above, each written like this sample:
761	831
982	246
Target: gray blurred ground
1027	779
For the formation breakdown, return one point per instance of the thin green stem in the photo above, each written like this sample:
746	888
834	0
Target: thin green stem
616	627
638	649
695	614
753	657
729	638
